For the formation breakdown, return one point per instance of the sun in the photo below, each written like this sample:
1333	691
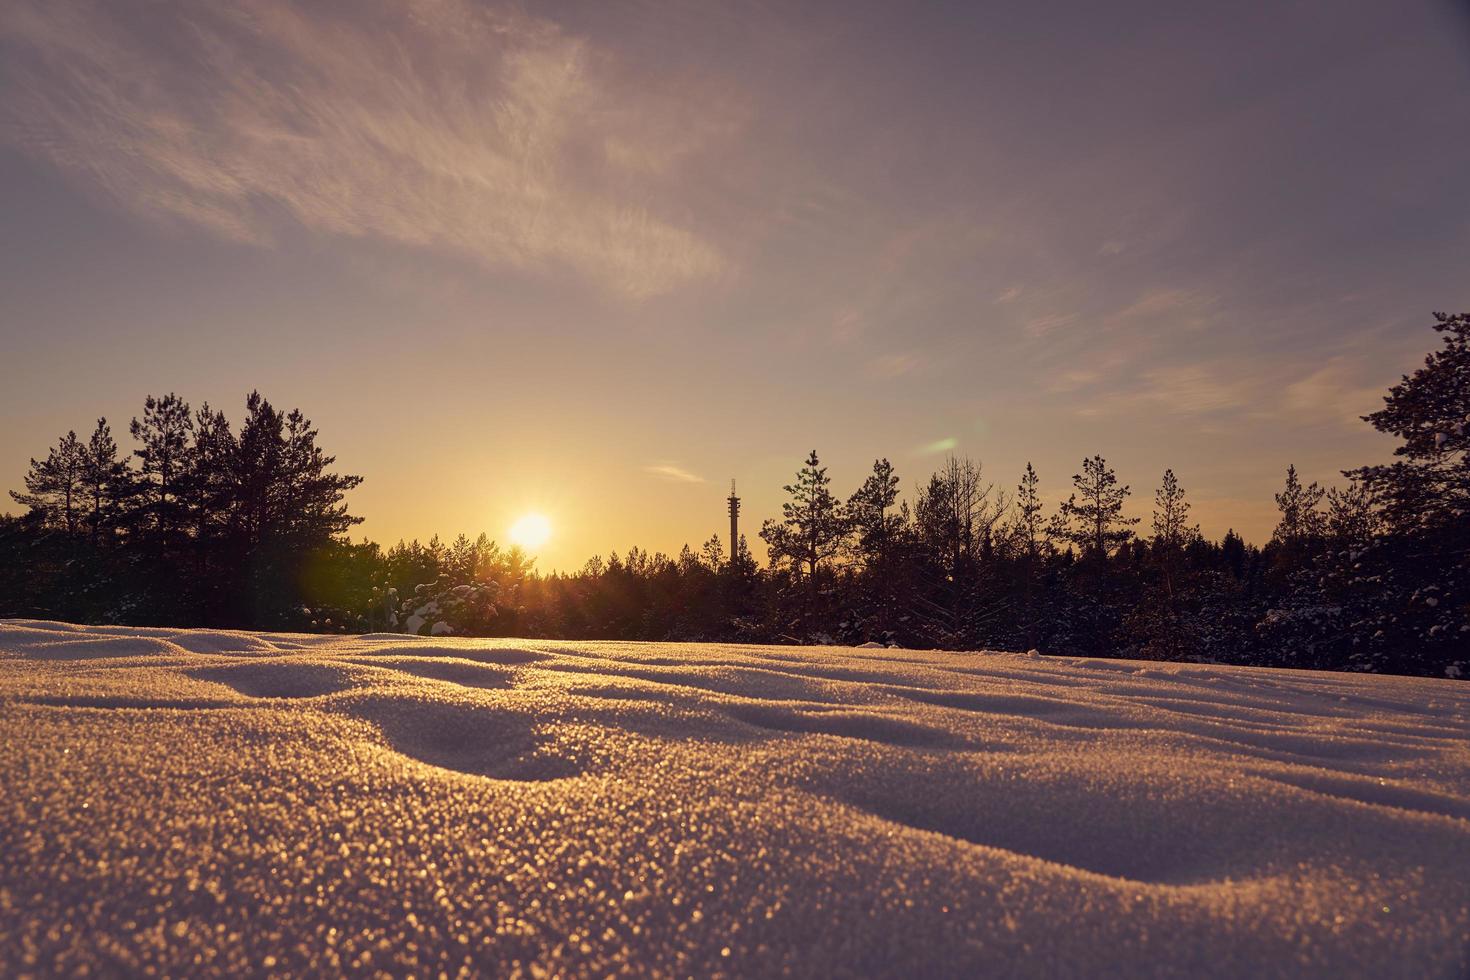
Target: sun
531	531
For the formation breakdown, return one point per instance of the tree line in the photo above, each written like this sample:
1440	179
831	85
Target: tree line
206	526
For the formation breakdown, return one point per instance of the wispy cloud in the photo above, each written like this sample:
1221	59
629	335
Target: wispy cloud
1073	379
1188	389
1010	295
1193	389
1163	307
1042	325
1335	392
672	473
436	124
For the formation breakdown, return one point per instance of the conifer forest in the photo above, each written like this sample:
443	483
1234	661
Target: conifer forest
201	521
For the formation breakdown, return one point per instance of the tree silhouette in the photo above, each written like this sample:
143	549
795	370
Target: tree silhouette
249	530
1094	512
164	432
813	523
870	513
1300	518
55	486
1171	527
106	480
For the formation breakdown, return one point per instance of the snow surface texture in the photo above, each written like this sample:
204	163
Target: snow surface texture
193	802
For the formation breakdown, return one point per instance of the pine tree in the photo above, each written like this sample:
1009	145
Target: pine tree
207	480
255	473
870	511
463	560
1352	519
742	563
1429	411
1029	534
1301	521
107	480
879	527
1029	528
1094	513
283	508
1232	554
56	487
1418	605
164	432
314	496
1162	616
712	553
813	525
1171	527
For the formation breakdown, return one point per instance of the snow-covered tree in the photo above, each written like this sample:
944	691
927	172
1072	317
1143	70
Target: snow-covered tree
1419	605
441	608
1352	520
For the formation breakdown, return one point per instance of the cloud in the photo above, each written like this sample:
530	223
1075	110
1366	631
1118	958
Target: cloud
1192	389
435	124
1010	295
1072	380
1111	247
1163	307
1334	392
1043	325
672	473
1188	389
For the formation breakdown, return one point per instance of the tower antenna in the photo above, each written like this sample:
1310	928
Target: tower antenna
734	522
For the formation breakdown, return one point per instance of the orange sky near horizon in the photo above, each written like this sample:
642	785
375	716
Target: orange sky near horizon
593	259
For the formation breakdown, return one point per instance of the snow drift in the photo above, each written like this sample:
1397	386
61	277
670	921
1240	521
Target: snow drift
200	801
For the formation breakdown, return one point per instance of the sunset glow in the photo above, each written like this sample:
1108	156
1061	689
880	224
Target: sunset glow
838	488
531	531
702	245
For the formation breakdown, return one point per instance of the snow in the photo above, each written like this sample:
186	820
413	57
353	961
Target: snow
212	802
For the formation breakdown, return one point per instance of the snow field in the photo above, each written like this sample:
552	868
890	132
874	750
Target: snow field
216	802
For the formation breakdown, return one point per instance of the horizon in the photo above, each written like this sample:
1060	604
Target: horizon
1139	505
595	262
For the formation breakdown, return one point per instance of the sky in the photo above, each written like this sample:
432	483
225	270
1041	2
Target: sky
595	259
